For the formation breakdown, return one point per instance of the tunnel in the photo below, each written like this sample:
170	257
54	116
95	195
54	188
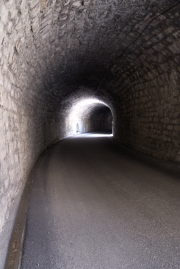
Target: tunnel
88	115
125	55
100	120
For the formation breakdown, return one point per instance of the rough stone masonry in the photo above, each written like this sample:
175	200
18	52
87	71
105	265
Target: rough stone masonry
126	53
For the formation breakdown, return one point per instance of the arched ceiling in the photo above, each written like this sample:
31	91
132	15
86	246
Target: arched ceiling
106	46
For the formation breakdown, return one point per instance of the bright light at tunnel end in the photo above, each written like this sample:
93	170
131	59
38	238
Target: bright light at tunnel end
74	122
96	135
89	101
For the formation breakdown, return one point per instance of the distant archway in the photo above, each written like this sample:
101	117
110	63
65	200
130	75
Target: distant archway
89	115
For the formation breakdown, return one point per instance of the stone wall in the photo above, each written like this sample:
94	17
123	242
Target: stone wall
150	121
146	87
26	127
24	134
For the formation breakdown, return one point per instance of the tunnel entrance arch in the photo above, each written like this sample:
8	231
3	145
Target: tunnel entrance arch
89	115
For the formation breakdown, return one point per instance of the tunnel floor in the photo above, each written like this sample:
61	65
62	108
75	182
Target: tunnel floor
98	206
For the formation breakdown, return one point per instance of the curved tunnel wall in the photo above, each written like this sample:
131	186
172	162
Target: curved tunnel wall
99	119
122	52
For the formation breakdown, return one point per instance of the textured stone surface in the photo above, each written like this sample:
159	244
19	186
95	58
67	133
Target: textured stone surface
123	52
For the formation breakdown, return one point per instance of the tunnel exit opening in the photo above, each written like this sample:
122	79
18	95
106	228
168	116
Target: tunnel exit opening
89	115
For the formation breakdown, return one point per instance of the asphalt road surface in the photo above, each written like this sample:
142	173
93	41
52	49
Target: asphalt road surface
98	206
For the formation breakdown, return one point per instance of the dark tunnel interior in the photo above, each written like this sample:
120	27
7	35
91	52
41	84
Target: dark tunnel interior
100	120
55	53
